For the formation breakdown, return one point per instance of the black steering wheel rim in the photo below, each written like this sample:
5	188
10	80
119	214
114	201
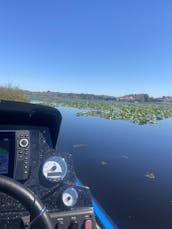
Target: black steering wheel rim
38	212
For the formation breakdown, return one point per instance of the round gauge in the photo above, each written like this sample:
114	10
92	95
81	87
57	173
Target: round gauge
70	197
54	169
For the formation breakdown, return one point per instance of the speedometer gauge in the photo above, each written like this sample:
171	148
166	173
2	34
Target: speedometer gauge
54	169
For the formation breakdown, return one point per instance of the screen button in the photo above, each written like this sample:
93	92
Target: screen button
24	142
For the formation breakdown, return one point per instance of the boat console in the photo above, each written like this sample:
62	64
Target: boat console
38	187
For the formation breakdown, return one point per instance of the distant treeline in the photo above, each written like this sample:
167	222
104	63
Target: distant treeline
60	95
127	98
15	93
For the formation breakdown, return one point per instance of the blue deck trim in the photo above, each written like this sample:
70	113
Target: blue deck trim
100	213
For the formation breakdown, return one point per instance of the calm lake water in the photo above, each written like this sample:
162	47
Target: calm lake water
127	166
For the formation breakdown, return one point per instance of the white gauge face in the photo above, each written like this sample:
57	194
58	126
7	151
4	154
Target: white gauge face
54	169
70	197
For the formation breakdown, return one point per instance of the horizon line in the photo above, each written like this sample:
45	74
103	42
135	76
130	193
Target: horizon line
86	93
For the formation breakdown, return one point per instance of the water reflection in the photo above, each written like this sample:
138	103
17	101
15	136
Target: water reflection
127	166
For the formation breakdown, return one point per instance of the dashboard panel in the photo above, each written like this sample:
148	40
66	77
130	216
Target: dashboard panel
28	154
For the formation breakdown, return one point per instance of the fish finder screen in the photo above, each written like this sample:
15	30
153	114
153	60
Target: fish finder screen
4	155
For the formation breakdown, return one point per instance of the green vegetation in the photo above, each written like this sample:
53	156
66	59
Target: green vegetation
139	114
136	113
12	93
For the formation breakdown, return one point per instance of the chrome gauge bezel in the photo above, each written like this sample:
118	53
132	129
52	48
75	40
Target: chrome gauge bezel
55	175
70	197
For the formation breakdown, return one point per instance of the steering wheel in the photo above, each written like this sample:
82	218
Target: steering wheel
38	213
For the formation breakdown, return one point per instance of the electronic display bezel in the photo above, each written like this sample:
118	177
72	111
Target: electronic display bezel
11	160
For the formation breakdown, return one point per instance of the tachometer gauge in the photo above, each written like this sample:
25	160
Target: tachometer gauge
54	169
70	197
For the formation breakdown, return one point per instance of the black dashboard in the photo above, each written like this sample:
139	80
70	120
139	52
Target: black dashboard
29	155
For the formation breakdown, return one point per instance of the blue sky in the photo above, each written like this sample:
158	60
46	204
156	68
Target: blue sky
87	46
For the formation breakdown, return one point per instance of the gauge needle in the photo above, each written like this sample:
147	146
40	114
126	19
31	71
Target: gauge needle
53	168
68	198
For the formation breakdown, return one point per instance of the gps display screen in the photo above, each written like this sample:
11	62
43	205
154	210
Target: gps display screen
7	153
4	155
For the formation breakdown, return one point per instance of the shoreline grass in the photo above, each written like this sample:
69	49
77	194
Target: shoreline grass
13	94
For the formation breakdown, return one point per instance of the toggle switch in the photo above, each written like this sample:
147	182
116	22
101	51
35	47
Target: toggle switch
74	225
60	225
88	224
